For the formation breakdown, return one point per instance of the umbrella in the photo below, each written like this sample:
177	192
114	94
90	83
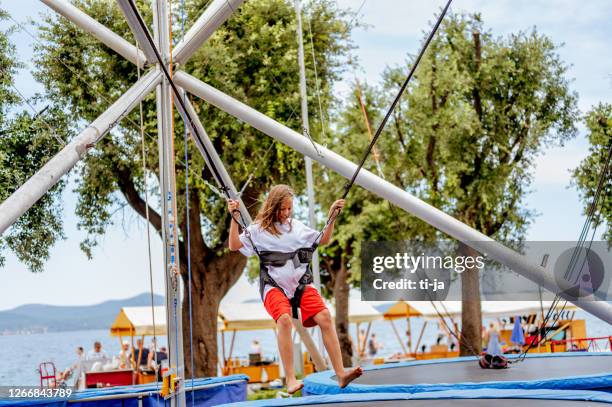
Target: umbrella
518	336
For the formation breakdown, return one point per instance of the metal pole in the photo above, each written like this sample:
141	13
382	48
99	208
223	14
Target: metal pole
215	15
37	185
307	160
306	125
134	24
438	219
99	31
169	207
205	143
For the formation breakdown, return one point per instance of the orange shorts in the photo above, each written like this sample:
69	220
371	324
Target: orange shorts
277	304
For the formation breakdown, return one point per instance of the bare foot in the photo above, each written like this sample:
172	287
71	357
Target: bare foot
348	376
294	386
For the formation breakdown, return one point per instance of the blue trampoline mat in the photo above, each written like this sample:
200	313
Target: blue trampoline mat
502	398
207	392
562	371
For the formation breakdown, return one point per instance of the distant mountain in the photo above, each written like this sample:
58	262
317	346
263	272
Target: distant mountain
54	318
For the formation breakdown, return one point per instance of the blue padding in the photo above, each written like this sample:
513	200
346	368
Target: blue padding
573	395
322	383
218	390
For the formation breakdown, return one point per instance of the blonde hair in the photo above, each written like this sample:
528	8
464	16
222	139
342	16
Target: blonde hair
268	214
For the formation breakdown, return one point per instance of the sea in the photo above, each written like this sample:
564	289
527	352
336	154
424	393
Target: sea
20	355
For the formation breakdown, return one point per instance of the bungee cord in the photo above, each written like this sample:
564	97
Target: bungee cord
575	254
381	127
347	187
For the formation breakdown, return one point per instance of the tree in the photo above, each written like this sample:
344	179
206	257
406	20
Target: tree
253	57
464	138
586	176
26	143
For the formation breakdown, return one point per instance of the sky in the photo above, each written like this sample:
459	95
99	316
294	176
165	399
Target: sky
120	267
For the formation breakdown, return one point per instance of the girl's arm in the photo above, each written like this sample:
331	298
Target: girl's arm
234	240
334	211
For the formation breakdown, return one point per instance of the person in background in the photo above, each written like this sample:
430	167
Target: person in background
361	342
373	345
124	356
255	348
492	340
97	354
63	376
140	355
155	362
155	357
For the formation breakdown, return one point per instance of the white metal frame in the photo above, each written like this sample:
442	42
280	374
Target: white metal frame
215	15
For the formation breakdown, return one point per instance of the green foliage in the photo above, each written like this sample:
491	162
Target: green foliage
586	176
464	137
265	394
28	147
8	68
253	57
26	143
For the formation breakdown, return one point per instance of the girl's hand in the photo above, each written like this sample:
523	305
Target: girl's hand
232	205
336	207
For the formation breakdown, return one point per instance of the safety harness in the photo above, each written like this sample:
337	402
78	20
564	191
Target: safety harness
279	259
269	258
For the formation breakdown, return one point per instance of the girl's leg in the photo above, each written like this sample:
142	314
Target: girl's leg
332	345
285	347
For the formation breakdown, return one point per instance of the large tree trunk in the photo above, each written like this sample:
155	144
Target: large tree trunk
471	315
341	296
212	275
471	312
209	284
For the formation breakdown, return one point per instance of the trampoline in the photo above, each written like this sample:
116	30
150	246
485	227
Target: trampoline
458	398
561	371
211	391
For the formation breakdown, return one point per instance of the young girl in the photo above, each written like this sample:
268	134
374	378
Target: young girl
274	233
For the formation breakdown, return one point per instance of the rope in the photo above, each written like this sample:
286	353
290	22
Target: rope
146	193
314	64
368	128
460	340
186	140
176	92
349	185
576	252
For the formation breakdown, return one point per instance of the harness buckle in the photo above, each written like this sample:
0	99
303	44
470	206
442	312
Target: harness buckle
305	255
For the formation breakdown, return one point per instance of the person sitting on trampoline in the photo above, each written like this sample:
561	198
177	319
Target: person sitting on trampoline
276	238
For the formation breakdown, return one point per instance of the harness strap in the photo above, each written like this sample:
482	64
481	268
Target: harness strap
279	259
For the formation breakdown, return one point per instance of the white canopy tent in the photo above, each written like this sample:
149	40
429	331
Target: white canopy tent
138	321
490	309
245	316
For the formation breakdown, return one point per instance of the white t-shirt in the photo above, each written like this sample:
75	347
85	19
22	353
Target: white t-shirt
300	235
93	355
